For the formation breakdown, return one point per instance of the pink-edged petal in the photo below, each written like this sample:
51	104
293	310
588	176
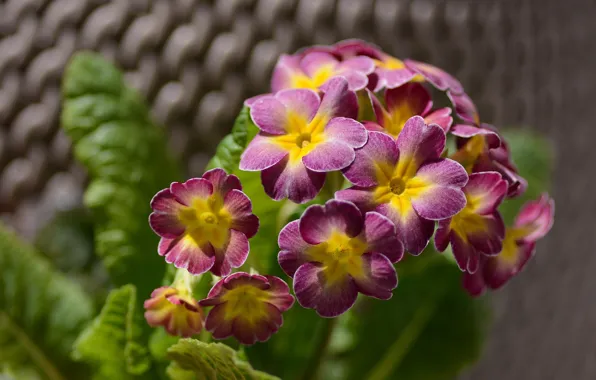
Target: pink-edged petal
363	198
270	115
486	190
338	100
217	324
443	172
413	230
361	64
239	207
379	277
233	255
280	294
443	234
292	248
412	96
242	278
372	126
165	202
489	241
356	47
517	185
302	102
379	152
252	100
467	131
466	256
292	180
536	217
465	108
194	188
420	142
356	81
313	291
261	153
248	332
287	66
329	156
474	283
346	130
185	253
442	117
311	63
381	236
393	78
221	181
437	77
319	221
498	271
439	202
166	225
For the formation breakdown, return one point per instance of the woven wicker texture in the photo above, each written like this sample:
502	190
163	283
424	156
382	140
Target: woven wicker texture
524	62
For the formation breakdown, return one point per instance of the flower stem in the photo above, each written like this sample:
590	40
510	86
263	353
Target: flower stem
312	371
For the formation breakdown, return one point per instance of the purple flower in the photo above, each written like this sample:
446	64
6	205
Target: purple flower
204	223
248	307
334	252
407	181
478	228
437	77
533	222
301	138
313	70
175	310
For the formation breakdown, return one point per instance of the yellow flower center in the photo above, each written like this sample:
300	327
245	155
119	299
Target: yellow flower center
390	63
301	135
303	140
320	76
469	153
397	186
206	220
247	302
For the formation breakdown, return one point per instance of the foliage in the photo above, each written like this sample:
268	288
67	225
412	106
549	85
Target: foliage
41	313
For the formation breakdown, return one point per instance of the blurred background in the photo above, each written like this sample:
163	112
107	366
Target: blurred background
526	64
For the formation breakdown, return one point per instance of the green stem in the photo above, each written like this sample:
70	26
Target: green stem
312	371
396	353
35	352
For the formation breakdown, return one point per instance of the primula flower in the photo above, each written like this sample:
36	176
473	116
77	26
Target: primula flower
247	306
333	252
533	222
407	181
303	137
403	102
478	228
313	70
439	78
204	223
465	108
175	310
480	149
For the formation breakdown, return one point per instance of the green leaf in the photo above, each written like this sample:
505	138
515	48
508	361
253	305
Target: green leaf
533	156
430	329
113	344
41	313
193	359
126	157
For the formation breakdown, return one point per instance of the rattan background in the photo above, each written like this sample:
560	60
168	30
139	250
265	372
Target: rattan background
525	62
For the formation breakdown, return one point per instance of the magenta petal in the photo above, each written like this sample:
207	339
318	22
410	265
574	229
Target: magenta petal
166	225
362	197
164	202
252	100
356	81
536	216
302	102
414	95
441	117
217	324
192	189
346	130
292	181
496	273
380	277
261	153
465	108
232	256
280	294
270	115
286	67
466	131
381	236
437	77
489	242
393	78
413	230
443	234
361	64
293	248
328	300
439	202
443	172
465	255
419	141
240	208
184	253
319	222
474	283
338	100
380	149
221	181
311	63
487	189
329	156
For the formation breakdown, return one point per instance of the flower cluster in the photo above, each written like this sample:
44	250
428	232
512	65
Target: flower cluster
351	109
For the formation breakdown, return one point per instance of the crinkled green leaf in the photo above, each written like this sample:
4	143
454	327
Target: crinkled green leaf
193	359
126	157
113	344
41	313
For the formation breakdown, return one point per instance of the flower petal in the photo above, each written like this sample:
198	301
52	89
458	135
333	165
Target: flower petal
319	221
194	188
284	70
261	153
328	299
420	142
346	130
443	234
441	117
443	172
437	77
363	198
356	81
374	160
313	62
537	217
329	156
465	255
280	294
238	205
165	202
270	115
498	270
338	100
166	225
361	64
185	253
411	99
217	324
467	131
464	107
302	102
252	100
439	202
381	236
489	240
233	255
392	78
293	248
485	191
292	180
380	277
413	230
474	283
221	181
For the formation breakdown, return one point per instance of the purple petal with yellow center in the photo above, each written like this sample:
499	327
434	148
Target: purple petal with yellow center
270	115
441	117
381	236
194	188
536	218
410	99
379	277
329	299
300	103
185	253
286	68
164	220
485	192
175	310
233	255
222	182
420	142
262	153
239	207
346	130
362	197
501	268
413	230
489	241
319	222
373	160
465	108
435	76
491	138
338	101
292	180
313	64
293	248
329	156
467	258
